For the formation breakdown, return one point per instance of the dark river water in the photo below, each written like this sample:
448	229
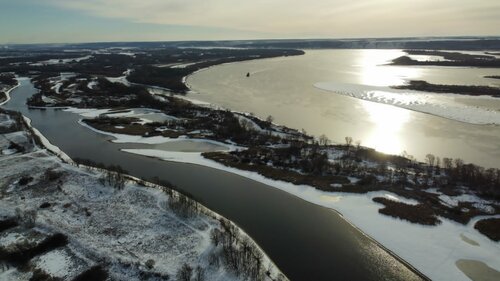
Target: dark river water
306	241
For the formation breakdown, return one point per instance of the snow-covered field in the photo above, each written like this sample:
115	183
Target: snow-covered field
61	61
432	250
443	105
119	229
121	79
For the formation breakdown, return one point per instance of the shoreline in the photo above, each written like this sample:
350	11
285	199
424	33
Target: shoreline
7	93
185	78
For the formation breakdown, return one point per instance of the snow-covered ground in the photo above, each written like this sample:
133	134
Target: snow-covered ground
121	79
120	229
479	203
433	250
184	65
61	61
144	114
443	105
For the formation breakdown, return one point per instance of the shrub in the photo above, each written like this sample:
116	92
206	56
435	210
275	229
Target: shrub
25	180
184	273
95	273
199	274
26	218
490	228
51	175
7	223
45	205
150	264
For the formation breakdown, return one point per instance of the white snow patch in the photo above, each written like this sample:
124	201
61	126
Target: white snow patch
92	84
87	112
56	263
479	203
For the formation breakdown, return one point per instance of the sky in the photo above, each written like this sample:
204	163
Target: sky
69	21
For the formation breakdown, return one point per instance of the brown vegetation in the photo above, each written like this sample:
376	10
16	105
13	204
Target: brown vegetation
490	228
321	183
424	86
493	76
450	59
420	213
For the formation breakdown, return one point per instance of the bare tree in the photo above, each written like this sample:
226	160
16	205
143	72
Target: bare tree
199	274
430	158
323	140
447	163
358	145
348	141
184	274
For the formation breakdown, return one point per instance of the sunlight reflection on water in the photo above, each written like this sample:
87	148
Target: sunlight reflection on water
373	72
388	121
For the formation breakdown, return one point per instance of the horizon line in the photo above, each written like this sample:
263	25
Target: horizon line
479	37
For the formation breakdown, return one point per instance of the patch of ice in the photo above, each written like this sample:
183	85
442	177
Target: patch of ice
443	105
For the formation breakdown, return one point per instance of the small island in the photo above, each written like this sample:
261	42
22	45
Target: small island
448	59
424	86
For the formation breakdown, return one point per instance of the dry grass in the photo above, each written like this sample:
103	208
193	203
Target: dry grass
419	213
490	228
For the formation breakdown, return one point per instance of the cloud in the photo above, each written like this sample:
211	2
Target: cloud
322	18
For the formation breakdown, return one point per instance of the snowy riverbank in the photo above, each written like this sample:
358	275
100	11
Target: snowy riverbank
432	250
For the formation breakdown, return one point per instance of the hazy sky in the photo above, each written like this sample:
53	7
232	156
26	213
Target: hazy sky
30	21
